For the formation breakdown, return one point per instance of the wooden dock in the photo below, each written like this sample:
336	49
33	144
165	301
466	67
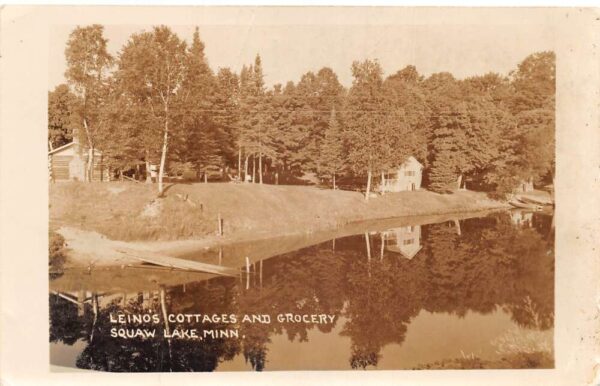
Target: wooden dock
177	263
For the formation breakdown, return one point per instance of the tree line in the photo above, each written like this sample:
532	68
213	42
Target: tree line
158	102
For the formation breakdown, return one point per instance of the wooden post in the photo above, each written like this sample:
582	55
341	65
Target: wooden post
382	245
80	302
254	271
239	163
260	273
96	310
247	272
260	171
333	244
457	225
220	225
220	256
368	185
50	168
205	177
367	241
163	308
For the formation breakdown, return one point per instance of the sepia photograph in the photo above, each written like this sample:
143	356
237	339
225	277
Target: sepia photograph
329	195
301	197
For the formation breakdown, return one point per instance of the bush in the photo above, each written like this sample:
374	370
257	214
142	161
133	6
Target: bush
56	254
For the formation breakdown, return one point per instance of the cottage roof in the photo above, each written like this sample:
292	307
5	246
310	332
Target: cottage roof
409	253
412	160
409	161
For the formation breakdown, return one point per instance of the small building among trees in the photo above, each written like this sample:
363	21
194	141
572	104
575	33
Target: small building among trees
68	163
524	186
407	176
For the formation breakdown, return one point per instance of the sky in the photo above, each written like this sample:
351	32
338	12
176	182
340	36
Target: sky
288	51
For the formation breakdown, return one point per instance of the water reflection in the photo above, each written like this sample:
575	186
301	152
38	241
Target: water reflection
403	240
376	284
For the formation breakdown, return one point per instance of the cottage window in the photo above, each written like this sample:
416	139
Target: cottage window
409	241
409	173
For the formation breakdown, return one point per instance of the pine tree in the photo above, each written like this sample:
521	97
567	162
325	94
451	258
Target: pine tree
226	115
200	137
332	150
256	119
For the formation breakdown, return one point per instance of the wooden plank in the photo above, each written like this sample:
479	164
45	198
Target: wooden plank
67	297
174	262
130	179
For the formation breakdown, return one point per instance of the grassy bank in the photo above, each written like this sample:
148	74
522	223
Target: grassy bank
131	211
535	360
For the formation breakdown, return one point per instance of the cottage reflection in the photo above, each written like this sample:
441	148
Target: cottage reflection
521	218
403	240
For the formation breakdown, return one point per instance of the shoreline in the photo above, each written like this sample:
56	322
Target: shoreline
90	247
181	247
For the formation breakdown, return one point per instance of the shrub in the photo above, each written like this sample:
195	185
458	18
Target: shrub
56	254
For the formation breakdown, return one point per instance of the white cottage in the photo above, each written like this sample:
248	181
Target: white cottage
524	186
407	176
404	240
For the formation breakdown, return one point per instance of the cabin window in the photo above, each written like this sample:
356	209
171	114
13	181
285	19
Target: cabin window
409	173
409	241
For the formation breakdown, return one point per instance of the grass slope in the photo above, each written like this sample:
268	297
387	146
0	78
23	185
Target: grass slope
122	210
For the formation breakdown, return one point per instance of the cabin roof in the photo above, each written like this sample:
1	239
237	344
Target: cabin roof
63	147
68	145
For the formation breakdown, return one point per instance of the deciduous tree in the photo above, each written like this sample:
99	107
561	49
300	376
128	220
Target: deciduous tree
88	64
152	66
61	115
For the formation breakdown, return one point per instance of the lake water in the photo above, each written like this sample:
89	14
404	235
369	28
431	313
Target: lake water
395	294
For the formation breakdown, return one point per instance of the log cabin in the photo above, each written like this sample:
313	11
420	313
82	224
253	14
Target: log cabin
69	163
